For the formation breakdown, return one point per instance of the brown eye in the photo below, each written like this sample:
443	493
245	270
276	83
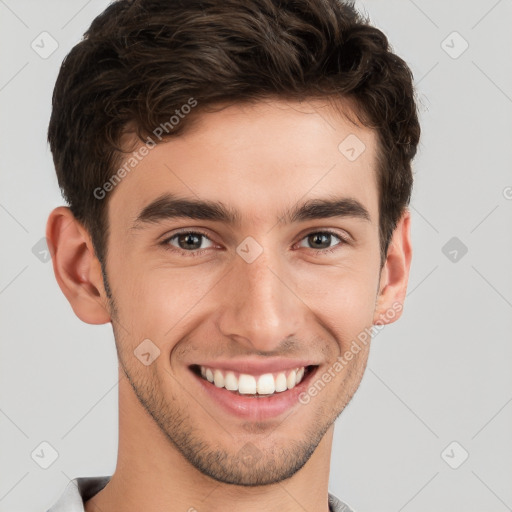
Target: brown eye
322	240
188	241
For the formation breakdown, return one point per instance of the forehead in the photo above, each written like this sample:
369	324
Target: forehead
259	159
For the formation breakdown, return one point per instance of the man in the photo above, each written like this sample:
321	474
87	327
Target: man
238	176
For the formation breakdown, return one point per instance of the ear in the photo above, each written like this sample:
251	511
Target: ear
76	267
395	274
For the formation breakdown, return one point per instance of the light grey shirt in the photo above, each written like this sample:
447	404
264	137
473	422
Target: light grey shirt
80	489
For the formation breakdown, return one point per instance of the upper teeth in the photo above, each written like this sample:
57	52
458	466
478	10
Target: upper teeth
244	383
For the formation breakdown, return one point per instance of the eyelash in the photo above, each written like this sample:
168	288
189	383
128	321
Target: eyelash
198	252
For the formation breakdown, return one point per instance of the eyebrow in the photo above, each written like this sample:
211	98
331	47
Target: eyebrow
168	206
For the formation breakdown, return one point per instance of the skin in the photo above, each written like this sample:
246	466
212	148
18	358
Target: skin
177	450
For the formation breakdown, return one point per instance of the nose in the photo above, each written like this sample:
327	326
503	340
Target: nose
259	305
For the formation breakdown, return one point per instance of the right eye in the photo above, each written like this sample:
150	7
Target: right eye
187	242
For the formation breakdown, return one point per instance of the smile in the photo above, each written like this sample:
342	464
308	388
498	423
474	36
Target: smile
246	384
256	396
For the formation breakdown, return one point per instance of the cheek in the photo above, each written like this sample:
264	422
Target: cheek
159	303
342	299
349	316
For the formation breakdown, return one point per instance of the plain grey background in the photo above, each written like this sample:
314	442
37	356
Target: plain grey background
438	387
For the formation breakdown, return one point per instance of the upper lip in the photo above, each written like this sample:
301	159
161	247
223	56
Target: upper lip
257	366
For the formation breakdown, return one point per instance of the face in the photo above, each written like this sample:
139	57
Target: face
259	278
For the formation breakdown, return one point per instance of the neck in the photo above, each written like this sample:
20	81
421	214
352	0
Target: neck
152	475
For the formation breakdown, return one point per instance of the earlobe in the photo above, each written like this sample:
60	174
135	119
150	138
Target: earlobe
395	274
76	267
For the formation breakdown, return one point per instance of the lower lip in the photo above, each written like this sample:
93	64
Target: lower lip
257	408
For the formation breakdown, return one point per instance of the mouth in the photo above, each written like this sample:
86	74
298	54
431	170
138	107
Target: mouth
254	386
253	397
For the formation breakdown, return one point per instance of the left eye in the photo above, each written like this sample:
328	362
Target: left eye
321	239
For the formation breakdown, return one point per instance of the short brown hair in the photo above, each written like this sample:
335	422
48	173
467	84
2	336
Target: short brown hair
140	60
